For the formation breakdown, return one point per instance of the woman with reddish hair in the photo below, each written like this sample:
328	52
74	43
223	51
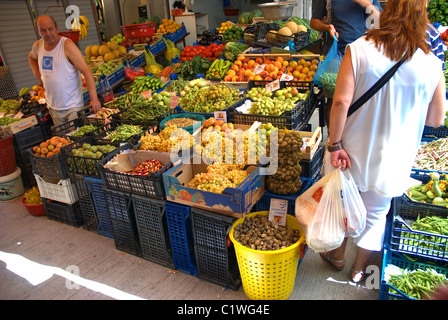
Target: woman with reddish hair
379	141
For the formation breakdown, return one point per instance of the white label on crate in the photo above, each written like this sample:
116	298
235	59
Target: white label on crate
286	77
220	115
258	69
272	86
278	210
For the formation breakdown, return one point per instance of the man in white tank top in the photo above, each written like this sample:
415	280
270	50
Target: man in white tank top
57	63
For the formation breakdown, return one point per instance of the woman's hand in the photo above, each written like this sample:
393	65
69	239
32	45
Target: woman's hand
340	159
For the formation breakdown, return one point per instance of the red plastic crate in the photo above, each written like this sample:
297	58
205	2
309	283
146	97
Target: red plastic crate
139	30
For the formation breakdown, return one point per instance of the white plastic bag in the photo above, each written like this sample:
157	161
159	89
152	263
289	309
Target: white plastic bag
319	212
330	210
353	206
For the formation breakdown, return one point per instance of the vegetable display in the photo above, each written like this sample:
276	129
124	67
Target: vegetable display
32	196
145	83
147	167
417	284
433	192
211	52
438	11
218	69
433	156
190	68
233	49
124	132
170	139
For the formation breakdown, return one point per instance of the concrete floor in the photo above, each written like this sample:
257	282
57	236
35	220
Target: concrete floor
58	251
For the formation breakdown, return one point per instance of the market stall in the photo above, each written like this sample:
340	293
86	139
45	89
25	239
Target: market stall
175	167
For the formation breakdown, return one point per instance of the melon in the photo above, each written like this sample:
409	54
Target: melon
256	13
123	50
285	31
103	50
95	51
113	45
116	53
301	28
109	56
292	26
89	51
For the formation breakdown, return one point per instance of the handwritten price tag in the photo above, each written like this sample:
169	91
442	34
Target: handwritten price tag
146	94
286	77
272	86
174	101
258	69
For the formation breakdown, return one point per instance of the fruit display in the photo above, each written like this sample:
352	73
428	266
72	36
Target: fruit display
50	147
273	104
233	34
106	52
247	17
145	83
211	52
247	69
147	167
168	26
107	68
8	120
224	26
84	159
32	196
30	105
200	96
287	178
259	233
170	139
218	177
81	24
9	106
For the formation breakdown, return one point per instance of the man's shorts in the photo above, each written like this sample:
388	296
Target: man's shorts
61	116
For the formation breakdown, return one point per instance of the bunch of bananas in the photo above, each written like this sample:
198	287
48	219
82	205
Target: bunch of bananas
81	24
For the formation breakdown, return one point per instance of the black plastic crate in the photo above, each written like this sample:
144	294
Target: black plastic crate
153	230
291	120
66	128
181	237
95	187
404	239
216	260
54	167
101	134
265	38
87	166
85	203
122	217
311	102
28	138
150	185
69	214
312	168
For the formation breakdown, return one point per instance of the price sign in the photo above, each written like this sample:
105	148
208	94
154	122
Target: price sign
174	101
258	69
146	94
18	115
278	211
220	115
272	86
286	77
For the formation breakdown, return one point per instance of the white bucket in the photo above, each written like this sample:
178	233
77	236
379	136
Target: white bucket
11	186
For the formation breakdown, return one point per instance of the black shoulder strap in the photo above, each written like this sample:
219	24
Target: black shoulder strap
377	86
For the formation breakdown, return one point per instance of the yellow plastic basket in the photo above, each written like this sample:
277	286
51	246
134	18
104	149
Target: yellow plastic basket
269	275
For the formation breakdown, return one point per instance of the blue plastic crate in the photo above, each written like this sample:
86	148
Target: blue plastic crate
95	187
157	47
176	35
389	292
431	133
265	202
138	61
181	236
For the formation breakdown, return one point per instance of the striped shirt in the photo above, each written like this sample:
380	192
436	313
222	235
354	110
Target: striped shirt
435	43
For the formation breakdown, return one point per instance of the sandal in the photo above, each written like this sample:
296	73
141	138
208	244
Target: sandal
332	261
357	276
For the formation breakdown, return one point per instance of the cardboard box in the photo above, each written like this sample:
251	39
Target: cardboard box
23	124
235	202
312	141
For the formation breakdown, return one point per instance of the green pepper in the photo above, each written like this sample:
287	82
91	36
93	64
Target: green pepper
443	6
440	18
432	4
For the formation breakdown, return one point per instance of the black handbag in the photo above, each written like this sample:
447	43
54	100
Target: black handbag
374	89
